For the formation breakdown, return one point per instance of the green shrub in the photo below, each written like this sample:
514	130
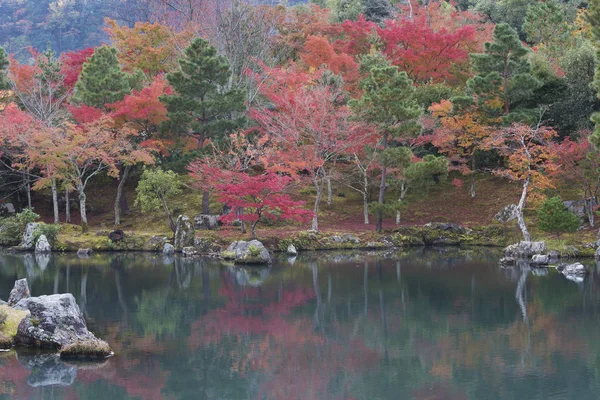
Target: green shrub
12	227
50	230
555	218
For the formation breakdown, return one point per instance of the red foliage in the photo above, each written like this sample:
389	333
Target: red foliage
72	64
260	196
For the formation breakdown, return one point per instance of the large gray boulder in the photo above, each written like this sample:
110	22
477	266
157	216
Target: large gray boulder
525	249
27	240
252	252
56	321
577	207
42	245
19	292
291	250
184	233
206	222
507	214
84	253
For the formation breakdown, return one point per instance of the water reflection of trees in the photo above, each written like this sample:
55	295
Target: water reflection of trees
335	325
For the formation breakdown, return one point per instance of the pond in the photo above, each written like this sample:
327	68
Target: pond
424	324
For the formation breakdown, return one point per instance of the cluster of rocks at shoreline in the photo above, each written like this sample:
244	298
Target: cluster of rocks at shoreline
535	255
52	322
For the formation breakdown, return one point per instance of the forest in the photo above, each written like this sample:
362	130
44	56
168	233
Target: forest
267	112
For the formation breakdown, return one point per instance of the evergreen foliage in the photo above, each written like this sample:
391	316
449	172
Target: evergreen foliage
155	189
555	218
102	81
4	84
504	77
377	10
202	105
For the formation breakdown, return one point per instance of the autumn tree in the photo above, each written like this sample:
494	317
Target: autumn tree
155	189
579	164
460	136
200	105
504	77
529	161
261	197
309	126
152	48
388	102
144	112
40	90
426	54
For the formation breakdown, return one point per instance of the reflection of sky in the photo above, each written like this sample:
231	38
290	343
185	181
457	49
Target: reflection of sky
434	324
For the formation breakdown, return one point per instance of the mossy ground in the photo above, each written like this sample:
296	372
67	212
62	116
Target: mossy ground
11	323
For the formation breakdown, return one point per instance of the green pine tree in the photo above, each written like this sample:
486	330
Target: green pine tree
504	74
377	10
201	105
389	102
102	81
4	84
593	18
553	217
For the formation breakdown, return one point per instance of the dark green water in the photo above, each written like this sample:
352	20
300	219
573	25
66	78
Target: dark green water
419	325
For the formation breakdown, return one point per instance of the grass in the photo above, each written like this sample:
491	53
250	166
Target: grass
13	319
90	349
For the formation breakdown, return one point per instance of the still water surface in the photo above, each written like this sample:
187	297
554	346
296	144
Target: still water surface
419	325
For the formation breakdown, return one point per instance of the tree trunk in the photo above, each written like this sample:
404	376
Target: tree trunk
55	201
168	212
590	204
473	177
253	226
82	210
329	192
123	178
520	218
28	190
382	188
205	202
366	197
403	190
67	207
319	187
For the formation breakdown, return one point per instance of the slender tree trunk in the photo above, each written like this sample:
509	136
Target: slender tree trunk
253	226
28	189
403	190
590	204
382	188
82	210
366	198
55	201
67	207
473	177
205	202
329	192
319	187
122	180
168	212
520	218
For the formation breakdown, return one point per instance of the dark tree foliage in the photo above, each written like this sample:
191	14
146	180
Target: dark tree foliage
553	217
202	106
4	85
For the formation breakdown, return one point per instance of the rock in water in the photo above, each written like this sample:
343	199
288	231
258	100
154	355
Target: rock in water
525	249
184	233
252	252
19	292
168	249
575	269
43	246
84	253
291	250
27	240
206	222
56	321
540	259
